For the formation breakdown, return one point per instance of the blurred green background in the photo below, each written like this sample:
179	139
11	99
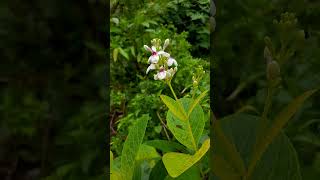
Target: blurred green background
239	66
52	89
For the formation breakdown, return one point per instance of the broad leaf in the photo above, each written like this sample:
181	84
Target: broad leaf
147	153
231	156
187	132
279	160
277	124
177	163
174	107
132	145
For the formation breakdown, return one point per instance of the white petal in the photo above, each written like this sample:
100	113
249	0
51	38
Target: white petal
147	48
166	43
152	66
170	61
153	59
162	74
175	62
155	77
164	53
154	49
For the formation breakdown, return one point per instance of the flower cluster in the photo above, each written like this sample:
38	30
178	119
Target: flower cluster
161	60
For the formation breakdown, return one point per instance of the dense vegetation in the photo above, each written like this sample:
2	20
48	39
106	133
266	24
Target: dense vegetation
240	67
135	94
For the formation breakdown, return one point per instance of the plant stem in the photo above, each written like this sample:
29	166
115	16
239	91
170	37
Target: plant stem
262	126
174	94
164	126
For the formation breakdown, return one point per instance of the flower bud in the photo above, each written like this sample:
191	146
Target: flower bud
195	83
273	70
166	43
267	54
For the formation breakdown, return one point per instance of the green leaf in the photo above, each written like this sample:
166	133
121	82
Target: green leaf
187	132
115	174
192	173
123	53
165	146
231	155
223	170
132	51
111	160
196	101
146	153
174	107
115	54
277	124
177	163
158	171
132	145
279	160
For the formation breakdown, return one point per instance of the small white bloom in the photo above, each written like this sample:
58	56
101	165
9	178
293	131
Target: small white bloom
154	58
152	66
172	61
162	74
165	45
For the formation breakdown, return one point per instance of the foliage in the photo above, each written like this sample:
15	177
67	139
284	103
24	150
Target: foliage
288	31
134	93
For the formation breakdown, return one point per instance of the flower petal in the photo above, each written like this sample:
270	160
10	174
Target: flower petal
175	62
162	75
153	59
170	61
166	43
154	49
147	48
164	53
152	66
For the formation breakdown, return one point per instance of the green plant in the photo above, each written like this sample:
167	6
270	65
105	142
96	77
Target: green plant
185	119
242	154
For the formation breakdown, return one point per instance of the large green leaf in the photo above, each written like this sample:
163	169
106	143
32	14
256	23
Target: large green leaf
187	132
279	160
147	152
174	107
132	145
177	163
229	164
277	124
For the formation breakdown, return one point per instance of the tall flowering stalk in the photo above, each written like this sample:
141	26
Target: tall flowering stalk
161	62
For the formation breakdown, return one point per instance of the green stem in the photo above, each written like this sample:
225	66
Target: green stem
174	94
164	126
260	131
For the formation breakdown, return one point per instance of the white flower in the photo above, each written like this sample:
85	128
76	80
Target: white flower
172	61
162	74
152	66
165	45
154	58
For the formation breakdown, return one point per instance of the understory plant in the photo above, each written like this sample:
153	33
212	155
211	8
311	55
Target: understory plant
185	119
251	147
